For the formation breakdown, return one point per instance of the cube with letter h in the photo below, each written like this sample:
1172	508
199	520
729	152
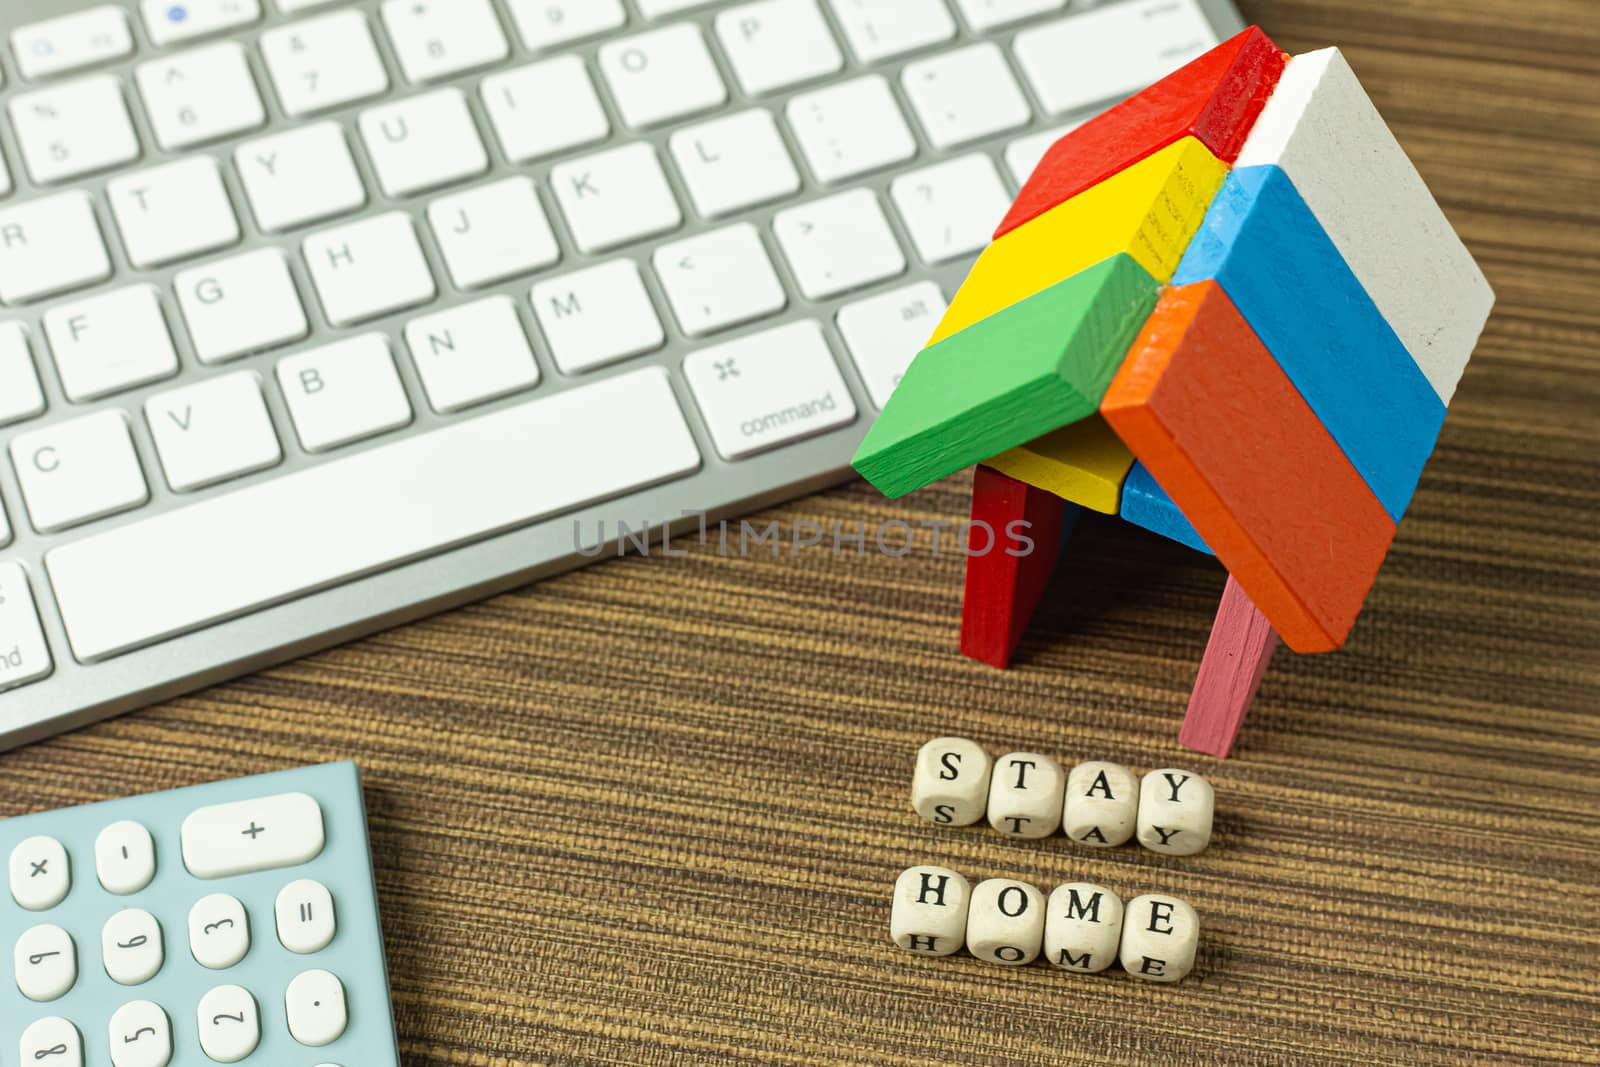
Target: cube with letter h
1229	311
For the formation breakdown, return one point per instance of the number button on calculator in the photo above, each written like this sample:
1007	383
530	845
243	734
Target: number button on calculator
219	931
52	1041
230	1025
46	963
131	945
141	1036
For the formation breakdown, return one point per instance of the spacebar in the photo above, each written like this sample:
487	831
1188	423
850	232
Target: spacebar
268	542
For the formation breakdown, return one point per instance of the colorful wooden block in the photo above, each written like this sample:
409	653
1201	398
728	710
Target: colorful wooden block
1146	504
1241	645
1213	99
1270	255
1148	211
1009	378
1322	130
1084	463
1204	405
1002	589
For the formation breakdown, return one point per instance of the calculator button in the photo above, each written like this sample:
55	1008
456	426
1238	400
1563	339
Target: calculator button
252	835
124	857
219	931
230	1025
54	1042
40	874
305	916
141	1036
46	962
131	945
316	1008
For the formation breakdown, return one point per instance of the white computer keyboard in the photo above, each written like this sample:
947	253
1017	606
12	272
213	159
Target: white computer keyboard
320	315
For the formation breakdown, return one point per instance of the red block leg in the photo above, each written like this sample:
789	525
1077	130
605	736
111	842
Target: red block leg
1241	646
1003	589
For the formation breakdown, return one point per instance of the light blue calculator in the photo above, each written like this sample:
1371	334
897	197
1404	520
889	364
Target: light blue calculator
234	922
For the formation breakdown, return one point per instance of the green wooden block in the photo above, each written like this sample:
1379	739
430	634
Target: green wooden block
1033	367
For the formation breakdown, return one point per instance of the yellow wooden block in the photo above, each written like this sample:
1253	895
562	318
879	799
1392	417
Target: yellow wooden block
1150	210
1084	463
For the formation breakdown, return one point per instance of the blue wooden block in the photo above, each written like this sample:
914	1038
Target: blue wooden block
1268	252
1144	503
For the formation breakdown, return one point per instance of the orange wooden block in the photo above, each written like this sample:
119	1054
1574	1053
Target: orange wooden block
1206	408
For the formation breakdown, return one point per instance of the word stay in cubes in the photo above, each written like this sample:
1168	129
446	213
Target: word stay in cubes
1029	795
1079	927
1227	310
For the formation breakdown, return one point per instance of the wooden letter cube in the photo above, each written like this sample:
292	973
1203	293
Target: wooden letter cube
1082	926
1102	804
1025	795
951	783
1159	937
1175	810
1005	923
930	910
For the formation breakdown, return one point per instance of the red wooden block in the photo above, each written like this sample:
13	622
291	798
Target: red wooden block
1003	589
1215	98
1241	646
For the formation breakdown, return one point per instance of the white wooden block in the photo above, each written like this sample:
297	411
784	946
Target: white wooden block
1025	795
1005	923
1159	938
1082	927
951	783
1102	805
1175	809
1321	128
930	910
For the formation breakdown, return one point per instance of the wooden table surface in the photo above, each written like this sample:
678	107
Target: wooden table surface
650	812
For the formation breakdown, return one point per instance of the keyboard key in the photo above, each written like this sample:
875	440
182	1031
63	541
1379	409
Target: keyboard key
493	232
547	23
304	175
654	9
965	95
173	211
734	162
343	392
304	911
46	963
324	62
124	857
987	14
20	394
1023	154
614	197
230	1024
199	96
77	471
39	870
951	208
773	44
471	353
5	178
233	552
130	944
839	243
109	342
293	7
219	931
170	22
69	42
661	75
719	279
1111	51
315	1005
74	129
24	658
768	389
243	304
518	103
49	246
437	38
879	29
423	142
259	834
851	128
597	316
369	268
213	430
52	1040
885	332
140	1036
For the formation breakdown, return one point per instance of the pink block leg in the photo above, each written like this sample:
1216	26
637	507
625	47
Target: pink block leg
1241	646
